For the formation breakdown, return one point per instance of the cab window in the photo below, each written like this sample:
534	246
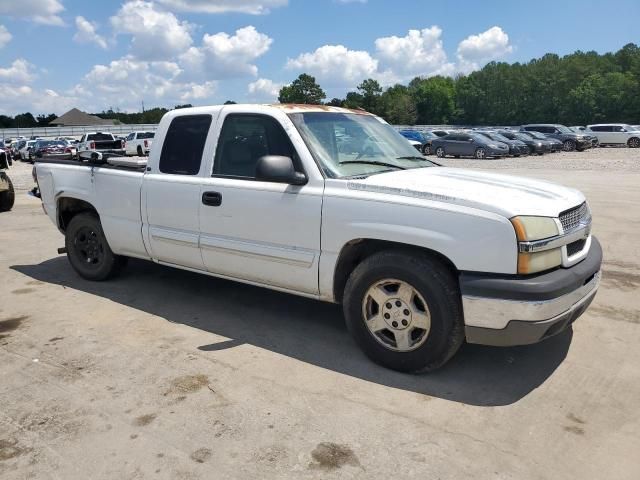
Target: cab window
244	139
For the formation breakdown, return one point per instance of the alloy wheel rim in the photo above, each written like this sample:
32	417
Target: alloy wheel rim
396	315
480	153
440	152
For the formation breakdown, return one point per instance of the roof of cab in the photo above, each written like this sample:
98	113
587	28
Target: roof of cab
304	108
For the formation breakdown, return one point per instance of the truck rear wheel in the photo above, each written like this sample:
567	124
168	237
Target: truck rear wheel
404	311
88	250
8	197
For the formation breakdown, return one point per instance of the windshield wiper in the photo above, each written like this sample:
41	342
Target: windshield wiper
373	162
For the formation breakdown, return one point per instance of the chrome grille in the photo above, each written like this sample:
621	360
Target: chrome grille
571	218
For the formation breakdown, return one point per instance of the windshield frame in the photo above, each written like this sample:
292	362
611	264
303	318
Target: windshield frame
406	156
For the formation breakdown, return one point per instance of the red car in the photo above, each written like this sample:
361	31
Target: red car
54	149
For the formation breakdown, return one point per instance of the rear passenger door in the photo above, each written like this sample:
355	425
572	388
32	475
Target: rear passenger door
257	231
617	134
171	194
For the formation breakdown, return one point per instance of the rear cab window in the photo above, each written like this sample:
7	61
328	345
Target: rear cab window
183	145
98	137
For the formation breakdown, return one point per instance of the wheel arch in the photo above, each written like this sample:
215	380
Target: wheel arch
357	250
69	207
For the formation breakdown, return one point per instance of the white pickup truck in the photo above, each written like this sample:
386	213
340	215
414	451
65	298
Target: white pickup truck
99	142
139	143
421	257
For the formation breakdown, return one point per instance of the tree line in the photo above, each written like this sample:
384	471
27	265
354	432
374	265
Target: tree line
577	89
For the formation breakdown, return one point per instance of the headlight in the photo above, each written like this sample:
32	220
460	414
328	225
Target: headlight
492	145
529	229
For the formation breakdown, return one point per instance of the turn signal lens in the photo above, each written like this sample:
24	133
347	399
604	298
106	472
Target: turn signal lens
529	263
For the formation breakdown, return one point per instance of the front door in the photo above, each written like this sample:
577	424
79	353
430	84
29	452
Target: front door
263	232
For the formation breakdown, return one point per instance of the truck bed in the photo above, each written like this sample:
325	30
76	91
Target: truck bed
114	191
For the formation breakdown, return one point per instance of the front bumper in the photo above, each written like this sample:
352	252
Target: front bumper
507	311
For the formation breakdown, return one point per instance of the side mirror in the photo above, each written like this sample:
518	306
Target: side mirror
279	169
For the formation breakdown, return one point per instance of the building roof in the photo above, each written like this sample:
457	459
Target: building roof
75	117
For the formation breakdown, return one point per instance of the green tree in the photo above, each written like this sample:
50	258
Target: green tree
434	98
303	89
25	120
397	106
370	90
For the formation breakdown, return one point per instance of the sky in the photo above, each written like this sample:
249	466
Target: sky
96	55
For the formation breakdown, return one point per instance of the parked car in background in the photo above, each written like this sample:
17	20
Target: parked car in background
517	148
536	146
100	142
442	133
464	144
616	134
139	143
15	148
7	193
26	152
50	149
424	138
554	144
570	140
583	130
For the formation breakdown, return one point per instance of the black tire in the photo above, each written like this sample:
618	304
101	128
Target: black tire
440	153
8	197
426	149
434	283
140	152
633	142
568	145
88	250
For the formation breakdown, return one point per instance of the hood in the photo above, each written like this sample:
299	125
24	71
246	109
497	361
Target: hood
502	194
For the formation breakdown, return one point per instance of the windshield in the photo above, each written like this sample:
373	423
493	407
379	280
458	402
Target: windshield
537	135
522	136
563	129
498	137
350	144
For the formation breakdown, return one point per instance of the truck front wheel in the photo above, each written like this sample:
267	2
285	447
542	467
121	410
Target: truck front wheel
404	311
88	250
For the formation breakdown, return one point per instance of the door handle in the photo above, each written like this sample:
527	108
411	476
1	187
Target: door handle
213	199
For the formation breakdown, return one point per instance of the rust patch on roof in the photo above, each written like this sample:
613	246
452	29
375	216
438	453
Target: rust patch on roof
303	107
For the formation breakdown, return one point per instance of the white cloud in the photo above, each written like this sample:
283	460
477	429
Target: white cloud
336	65
127	81
23	98
264	89
476	50
252	7
20	72
5	36
224	56
87	33
157	35
40	11
419	53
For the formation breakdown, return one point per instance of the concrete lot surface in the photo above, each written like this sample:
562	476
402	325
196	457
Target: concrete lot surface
171	375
